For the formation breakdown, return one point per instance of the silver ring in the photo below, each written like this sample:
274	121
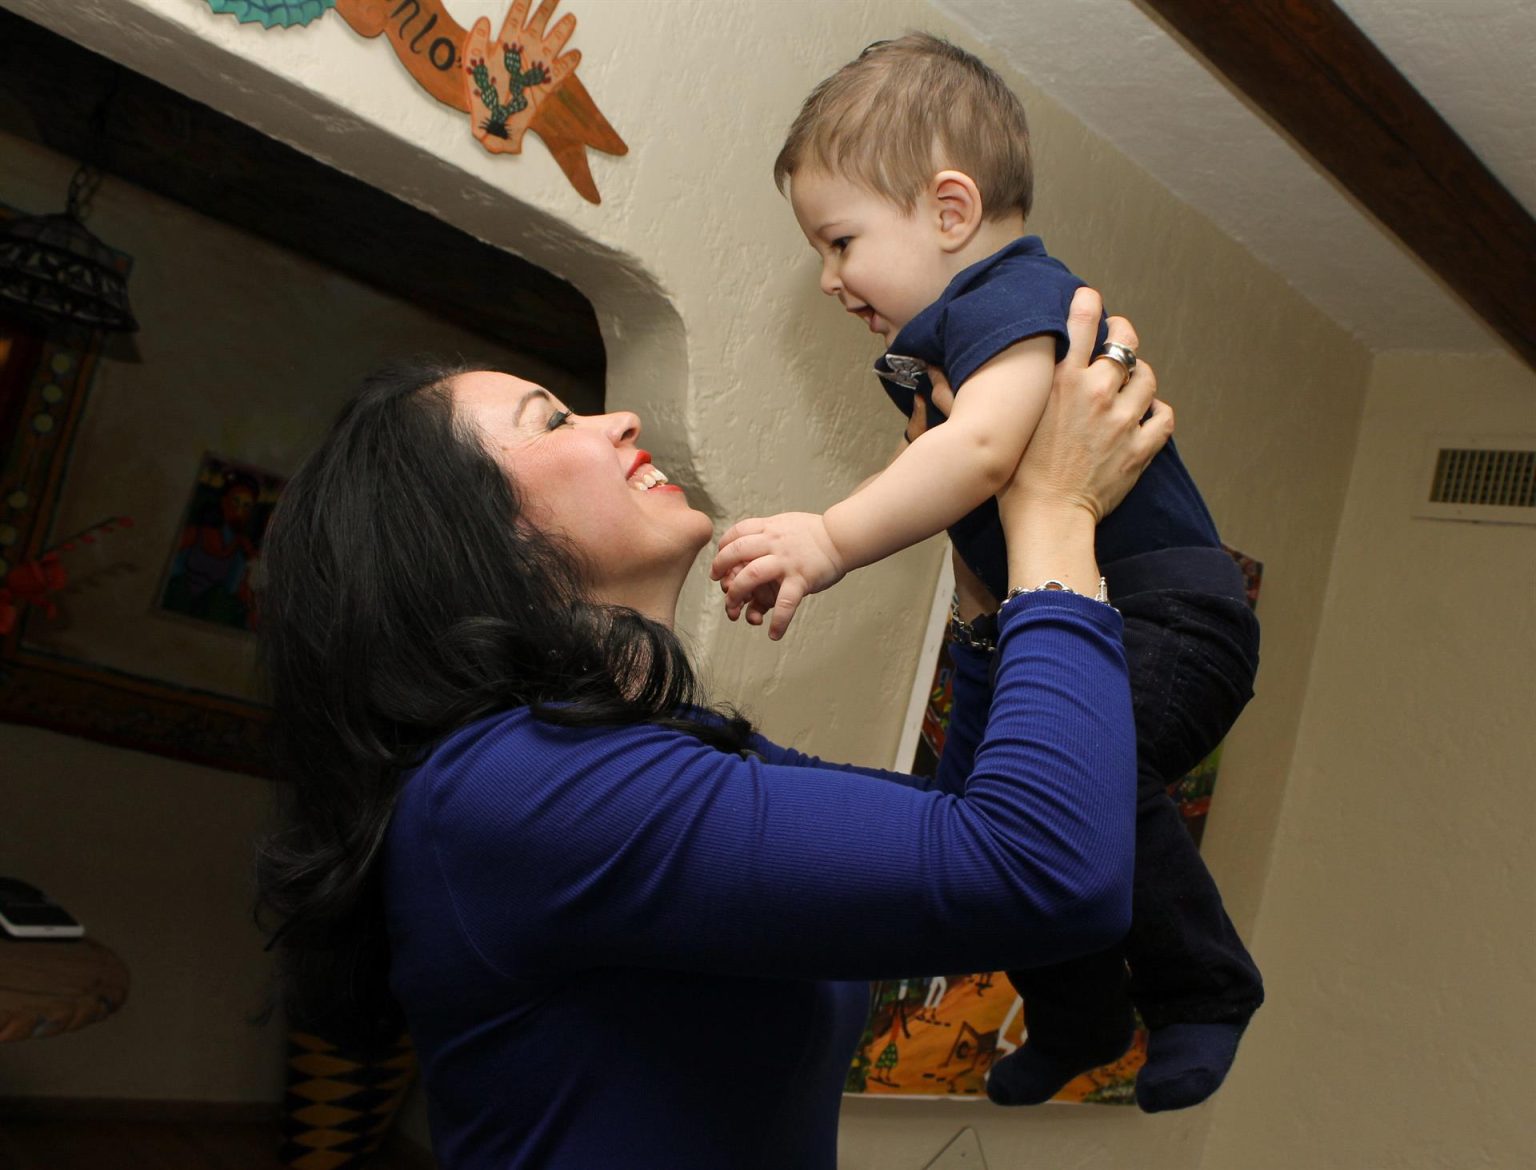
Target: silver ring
1124	355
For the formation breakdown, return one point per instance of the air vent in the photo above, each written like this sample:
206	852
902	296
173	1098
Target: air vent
1492	480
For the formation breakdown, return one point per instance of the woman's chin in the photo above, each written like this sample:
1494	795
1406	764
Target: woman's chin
705	533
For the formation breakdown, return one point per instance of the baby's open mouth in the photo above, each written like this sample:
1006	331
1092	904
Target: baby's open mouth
868	316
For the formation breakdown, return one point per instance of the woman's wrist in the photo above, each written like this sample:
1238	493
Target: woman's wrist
1101	594
1053	543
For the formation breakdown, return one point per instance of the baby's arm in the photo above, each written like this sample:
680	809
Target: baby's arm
949	470
941	476
765	598
895	455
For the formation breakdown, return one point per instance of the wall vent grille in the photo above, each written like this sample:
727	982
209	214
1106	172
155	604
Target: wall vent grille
1488	480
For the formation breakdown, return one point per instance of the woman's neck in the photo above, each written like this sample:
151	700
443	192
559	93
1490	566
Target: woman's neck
655	597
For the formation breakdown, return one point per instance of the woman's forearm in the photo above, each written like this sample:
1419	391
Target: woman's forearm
1052	542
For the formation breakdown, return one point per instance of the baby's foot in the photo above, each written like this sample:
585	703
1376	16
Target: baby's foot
1034	1073
1186	1063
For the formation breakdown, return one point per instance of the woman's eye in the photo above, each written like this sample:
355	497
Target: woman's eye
557	420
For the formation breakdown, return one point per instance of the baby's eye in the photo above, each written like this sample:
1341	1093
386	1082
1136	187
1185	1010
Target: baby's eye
841	243
559	419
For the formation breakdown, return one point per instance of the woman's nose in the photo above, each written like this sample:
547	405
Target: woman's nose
622	426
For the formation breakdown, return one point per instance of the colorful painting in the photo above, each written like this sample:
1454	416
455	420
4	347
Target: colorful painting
211	572
521	79
938	1036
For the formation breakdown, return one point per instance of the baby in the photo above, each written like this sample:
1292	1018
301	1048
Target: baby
909	173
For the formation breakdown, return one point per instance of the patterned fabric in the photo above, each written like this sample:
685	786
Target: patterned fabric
340	1104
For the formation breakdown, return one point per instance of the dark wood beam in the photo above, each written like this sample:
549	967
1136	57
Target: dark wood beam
87	107
1306	66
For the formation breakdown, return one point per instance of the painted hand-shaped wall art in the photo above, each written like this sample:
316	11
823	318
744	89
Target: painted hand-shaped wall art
507	80
522	79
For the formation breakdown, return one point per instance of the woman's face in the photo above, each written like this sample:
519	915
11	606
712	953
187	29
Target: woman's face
582	476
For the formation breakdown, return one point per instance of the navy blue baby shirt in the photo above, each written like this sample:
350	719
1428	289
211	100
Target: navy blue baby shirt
1016	293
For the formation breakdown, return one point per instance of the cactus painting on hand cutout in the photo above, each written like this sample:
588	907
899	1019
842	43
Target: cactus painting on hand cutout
508	79
520	80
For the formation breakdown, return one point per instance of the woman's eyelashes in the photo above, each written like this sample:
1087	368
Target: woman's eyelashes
559	419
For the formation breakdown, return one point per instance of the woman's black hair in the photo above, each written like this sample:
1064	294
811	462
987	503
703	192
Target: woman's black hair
403	599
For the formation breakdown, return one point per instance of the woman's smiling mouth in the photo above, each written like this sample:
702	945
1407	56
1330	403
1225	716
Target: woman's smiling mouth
645	476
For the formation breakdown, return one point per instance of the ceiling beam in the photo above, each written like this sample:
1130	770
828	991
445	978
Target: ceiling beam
1312	72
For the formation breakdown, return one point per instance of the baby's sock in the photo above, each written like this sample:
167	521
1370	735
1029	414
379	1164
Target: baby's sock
1038	1070
1186	1063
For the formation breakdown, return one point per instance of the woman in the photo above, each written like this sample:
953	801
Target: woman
619	922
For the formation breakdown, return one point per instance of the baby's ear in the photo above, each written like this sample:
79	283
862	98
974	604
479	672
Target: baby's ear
958	203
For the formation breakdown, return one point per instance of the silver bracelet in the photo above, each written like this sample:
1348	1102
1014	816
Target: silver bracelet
1055	586
979	634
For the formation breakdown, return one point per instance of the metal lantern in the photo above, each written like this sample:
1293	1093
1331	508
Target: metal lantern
55	272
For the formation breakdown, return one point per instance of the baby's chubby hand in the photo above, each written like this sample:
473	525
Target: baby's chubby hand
777	561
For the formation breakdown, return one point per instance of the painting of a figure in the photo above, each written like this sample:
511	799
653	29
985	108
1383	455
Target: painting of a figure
212	567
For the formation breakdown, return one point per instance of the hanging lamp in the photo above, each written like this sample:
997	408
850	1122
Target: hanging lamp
54	272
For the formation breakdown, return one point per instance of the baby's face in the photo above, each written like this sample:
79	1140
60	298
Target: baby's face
883	264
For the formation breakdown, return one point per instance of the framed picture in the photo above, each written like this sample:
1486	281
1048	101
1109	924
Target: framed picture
72	660
938	1036
211	573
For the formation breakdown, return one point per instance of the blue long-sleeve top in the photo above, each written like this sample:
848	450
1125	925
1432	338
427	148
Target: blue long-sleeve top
621	947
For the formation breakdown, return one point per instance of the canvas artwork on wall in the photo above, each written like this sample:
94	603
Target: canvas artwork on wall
211	573
937	1036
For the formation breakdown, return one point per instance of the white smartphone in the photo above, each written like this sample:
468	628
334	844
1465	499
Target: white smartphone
28	913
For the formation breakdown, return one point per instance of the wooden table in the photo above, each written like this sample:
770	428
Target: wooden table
51	987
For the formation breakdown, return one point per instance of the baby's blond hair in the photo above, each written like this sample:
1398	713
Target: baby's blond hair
907	108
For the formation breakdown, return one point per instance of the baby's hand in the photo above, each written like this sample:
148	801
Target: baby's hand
758	606
780	559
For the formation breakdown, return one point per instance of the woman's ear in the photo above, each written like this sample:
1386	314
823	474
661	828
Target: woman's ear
958	202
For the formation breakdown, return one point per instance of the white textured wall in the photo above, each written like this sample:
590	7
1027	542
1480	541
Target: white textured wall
1396	929
752	388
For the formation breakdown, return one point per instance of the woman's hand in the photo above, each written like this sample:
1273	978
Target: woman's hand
1099	432
943	398
1097	435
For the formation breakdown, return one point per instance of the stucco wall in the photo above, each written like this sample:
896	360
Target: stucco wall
1396	926
754	395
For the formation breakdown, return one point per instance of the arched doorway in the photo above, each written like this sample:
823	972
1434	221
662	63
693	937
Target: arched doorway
266	283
